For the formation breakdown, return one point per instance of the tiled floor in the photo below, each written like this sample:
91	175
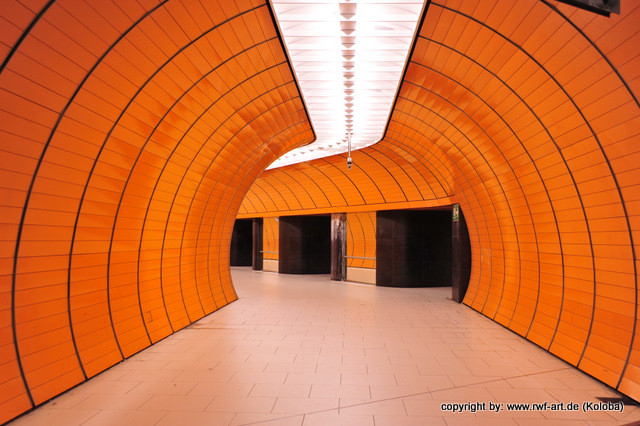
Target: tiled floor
304	350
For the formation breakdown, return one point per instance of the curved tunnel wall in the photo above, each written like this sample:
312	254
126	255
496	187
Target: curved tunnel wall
526	113
130	132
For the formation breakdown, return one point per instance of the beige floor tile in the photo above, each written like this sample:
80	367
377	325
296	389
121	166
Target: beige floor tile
340	391
463	394
437	382
195	419
242	419
580	381
177	403
499	371
449	370
117	372
46	417
115	387
150	375
229	404
162	388
382	420
408	369
194	376
281	390
390	391
325	366
267	357
194	355
232	364
355	359
258	377
201	364
313	378
494	384
68	399
522	395
402	359
372	378
139	363
119	417
112	402
335	419
631	413
536	382
411	379
305	405
290	367
358	406
222	389
301	350
471	380
424	405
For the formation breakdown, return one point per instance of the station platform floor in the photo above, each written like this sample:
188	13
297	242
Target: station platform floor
305	350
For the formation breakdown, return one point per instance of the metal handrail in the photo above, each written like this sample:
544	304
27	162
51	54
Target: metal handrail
359	257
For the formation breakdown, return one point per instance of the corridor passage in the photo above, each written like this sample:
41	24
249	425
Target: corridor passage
304	350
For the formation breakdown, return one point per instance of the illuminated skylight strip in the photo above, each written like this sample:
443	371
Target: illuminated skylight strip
348	57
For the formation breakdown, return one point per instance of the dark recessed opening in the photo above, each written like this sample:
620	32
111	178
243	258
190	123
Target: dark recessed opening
305	245
241	251
413	248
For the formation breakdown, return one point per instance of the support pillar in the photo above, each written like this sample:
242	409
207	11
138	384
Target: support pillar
461	246
257	244
338	246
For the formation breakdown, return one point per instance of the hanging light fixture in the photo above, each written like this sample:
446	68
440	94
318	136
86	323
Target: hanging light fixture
349	151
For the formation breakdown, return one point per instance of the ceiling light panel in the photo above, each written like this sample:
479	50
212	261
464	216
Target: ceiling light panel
348	57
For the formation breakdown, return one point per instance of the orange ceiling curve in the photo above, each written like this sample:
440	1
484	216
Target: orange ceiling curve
525	113
130	133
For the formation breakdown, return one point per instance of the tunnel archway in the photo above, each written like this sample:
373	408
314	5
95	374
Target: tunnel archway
131	132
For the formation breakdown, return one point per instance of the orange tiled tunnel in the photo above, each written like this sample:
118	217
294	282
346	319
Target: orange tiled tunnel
131	132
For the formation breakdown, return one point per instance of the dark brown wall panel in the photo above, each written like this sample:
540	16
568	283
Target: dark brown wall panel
304	245
241	249
413	248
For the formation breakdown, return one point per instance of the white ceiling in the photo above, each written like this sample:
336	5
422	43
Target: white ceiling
348	57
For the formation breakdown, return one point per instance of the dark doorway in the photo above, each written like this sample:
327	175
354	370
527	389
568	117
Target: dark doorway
305	245
241	243
413	248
